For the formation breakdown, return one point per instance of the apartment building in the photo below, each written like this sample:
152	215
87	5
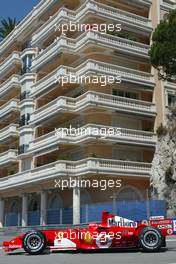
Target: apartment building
33	105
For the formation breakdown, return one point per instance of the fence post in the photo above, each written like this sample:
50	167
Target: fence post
60	215
19	215
87	213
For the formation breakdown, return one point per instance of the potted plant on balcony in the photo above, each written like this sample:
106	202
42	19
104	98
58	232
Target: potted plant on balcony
123	34
63	157
92	155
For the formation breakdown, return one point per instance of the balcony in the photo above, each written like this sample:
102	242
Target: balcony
170	86
89	166
85	39
10	85
120	135
8	157
91	100
148	2
8	132
91	68
9	107
168	5
13	61
101	11
31	21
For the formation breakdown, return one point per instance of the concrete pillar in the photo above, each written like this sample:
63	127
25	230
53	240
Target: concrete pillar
76	205
43	208
24	209
1	212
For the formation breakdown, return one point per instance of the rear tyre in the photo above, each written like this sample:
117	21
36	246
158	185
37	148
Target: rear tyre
34	242
151	239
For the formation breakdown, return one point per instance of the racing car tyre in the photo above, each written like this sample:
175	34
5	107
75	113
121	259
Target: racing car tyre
34	242
151	239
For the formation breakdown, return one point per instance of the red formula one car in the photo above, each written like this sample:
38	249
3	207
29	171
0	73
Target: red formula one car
112	233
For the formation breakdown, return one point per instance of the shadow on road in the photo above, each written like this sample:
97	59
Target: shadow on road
102	251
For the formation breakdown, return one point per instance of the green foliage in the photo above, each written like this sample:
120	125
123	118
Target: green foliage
63	157
161	131
123	34
163	50
6	26
92	155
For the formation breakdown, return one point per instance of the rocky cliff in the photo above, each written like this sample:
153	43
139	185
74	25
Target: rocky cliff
163	173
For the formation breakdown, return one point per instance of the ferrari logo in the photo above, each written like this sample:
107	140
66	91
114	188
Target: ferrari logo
59	235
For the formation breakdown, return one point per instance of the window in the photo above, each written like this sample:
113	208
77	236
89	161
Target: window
125	94
34	205
125	122
24	120
77	155
24	95
22	149
128	155
27	62
128	194
171	99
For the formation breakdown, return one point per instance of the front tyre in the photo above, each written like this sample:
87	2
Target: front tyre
150	239
34	242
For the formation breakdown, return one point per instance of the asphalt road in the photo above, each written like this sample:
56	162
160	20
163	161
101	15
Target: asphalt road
167	256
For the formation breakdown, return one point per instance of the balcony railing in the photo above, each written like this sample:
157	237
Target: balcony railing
97	9
91	132
168	5
11	106
9	131
74	45
170	85
7	157
85	167
91	68
9	85
92	100
13	60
